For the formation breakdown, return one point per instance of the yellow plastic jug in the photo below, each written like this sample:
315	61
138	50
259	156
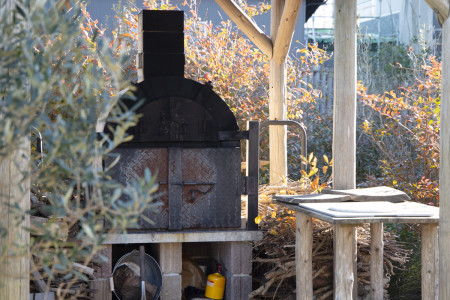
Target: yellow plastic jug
215	285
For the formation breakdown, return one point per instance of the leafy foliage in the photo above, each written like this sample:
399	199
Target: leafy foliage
407	133
58	76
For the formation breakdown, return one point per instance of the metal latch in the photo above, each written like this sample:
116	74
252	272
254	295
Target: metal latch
192	191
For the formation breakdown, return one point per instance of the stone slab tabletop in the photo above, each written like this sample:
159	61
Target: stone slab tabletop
366	205
379	193
368	212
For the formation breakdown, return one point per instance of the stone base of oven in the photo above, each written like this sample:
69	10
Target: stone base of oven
231	248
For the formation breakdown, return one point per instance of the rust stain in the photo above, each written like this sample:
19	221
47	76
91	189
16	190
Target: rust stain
196	168
156	160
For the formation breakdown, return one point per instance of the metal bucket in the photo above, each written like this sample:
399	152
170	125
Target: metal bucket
127	284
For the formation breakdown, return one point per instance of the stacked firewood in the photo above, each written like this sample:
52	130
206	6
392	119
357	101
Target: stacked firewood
274	261
57	285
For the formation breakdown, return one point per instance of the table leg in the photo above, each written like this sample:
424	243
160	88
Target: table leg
430	262
344	262
376	261
303	256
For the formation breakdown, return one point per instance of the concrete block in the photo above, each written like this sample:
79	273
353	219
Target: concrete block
42	296
235	257
100	289
169	257
171	289
238	287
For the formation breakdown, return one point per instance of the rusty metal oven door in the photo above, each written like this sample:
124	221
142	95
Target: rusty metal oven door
198	187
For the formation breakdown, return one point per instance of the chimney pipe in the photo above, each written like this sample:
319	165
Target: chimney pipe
160	44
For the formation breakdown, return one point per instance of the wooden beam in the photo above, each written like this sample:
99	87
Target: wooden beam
303	256
277	104
282	44
244	23
14	217
344	109
440	8
430	262
14	204
376	261
344	261
39	283
444	172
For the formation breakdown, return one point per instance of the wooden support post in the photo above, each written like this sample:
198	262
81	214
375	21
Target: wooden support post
282	44
440	8
344	261
14	204
376	261
344	114
430	262
303	256
277	104
244	23
444	175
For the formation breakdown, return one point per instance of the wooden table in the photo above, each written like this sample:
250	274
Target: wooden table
346	216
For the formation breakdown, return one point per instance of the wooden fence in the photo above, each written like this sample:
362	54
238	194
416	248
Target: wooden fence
322	79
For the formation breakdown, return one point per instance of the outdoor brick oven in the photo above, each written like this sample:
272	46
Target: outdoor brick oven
189	138
187	135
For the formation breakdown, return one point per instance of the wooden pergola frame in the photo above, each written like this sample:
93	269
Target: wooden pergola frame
283	18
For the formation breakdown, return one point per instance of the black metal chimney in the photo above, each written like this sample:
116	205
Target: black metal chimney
160	44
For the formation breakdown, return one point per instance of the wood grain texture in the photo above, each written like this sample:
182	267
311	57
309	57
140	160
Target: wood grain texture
277	104
440	8
376	260
283	40
430	262
15	192
244	23
344	109
444	175
303	256
344	262
101	289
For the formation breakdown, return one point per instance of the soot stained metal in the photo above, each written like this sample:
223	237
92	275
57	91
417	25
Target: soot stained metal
187	135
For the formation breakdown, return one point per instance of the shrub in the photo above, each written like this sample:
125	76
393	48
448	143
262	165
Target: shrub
59	79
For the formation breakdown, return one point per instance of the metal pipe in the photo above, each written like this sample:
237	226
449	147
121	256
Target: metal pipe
39	146
142	270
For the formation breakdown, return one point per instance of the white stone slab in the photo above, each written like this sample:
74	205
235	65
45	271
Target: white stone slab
379	193
42	296
311	198
372	209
